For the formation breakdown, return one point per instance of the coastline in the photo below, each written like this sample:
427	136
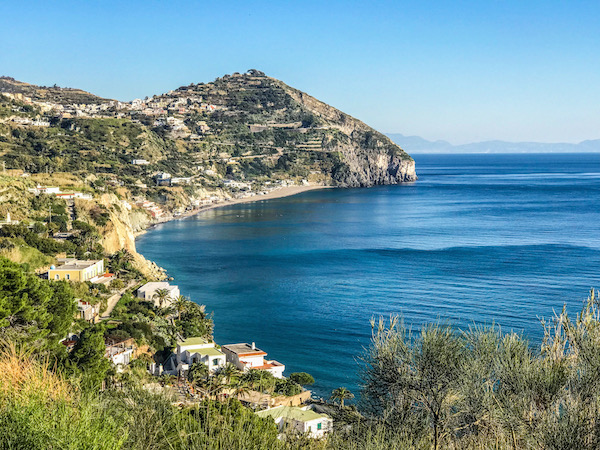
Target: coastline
281	192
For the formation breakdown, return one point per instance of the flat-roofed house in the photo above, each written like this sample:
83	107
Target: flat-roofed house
120	353
247	356
86	311
77	270
148	290
302	419
192	350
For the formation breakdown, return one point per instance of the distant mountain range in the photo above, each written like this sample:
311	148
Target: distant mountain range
416	144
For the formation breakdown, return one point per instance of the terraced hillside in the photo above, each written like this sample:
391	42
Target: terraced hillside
244	127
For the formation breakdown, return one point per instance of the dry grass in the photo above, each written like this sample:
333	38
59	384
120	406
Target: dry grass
23	378
62	179
22	254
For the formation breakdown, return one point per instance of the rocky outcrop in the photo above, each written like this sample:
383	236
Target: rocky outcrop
363	168
120	231
366	157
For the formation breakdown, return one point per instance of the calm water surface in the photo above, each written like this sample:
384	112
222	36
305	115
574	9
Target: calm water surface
478	239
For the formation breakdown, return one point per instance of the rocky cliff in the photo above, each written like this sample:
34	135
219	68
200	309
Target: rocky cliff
368	157
120	230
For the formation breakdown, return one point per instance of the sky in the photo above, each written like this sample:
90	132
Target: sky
461	71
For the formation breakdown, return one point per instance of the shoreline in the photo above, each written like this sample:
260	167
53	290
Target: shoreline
281	192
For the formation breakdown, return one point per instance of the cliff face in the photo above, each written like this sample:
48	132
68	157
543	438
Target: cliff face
363	168
367	157
119	233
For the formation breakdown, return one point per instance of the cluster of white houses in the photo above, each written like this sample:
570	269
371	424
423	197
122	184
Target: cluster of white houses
246	357
287	415
53	190
243	356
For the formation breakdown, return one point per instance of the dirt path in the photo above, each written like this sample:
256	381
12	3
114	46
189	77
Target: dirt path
113	300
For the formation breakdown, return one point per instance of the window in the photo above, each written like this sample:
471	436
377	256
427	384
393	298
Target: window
57	277
68	276
215	362
319	426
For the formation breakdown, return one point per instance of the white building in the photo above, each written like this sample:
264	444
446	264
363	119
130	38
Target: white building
194	350
120	354
247	356
44	190
87	311
140	162
8	221
301	419
181	180
148	290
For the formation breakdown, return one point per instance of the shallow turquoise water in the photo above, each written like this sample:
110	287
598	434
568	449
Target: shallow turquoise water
478	239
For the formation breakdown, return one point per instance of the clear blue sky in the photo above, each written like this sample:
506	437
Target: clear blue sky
459	71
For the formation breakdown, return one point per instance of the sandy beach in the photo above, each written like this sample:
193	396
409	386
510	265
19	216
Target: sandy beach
275	193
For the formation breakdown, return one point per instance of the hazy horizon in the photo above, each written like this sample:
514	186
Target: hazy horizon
457	144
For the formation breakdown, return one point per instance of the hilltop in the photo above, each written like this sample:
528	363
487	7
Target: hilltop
240	127
55	94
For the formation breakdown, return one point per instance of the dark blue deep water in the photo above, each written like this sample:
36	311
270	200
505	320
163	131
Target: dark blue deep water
478	239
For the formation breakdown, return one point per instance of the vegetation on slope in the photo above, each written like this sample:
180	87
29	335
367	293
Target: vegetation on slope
43	93
241	126
439	388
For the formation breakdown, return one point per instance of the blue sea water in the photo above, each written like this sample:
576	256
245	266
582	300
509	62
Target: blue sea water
478	239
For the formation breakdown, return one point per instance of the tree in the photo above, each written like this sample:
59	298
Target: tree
62	306
341	394
180	304
39	228
198	373
216	385
302	378
161	295
88	356
31	310
229	372
409	377
194	322
119	261
117	284
288	387
252	378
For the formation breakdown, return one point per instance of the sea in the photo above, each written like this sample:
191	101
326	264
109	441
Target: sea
493	239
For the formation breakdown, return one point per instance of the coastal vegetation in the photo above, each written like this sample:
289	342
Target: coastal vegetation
441	387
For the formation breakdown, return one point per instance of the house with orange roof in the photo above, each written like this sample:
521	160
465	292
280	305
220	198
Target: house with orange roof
248	356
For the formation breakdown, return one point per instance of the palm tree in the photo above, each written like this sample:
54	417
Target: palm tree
216	385
341	394
240	388
198	373
161	295
251	378
180	305
229	371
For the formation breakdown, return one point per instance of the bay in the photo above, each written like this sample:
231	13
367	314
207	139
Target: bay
479	239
